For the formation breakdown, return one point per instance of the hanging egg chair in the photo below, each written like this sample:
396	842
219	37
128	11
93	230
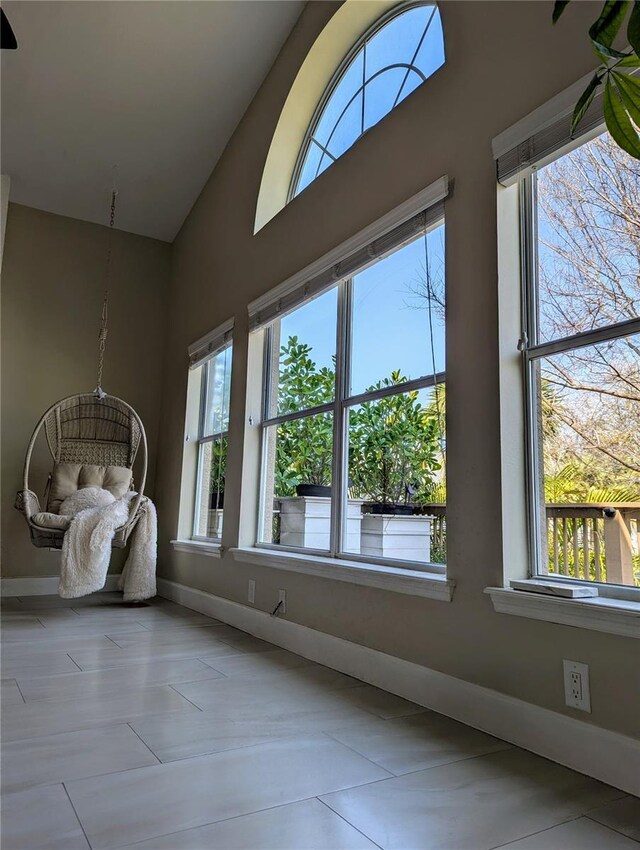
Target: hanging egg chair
93	439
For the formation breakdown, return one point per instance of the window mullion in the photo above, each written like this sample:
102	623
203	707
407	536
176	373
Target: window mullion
339	455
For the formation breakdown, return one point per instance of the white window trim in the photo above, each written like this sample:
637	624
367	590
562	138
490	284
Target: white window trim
207	547
614	616
398	580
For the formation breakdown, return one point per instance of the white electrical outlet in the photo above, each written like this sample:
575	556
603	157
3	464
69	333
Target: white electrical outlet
282	601
251	592
576	685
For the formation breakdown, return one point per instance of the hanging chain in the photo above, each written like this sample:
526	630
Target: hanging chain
102	336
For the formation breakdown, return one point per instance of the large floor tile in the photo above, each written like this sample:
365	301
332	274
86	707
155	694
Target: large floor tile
248	643
44	664
416	742
72	755
50	717
85	684
10	692
10	603
171	737
92	601
308	825
154	801
300	684
258	664
580	834
195	637
48	643
103	658
622	815
41	818
476	804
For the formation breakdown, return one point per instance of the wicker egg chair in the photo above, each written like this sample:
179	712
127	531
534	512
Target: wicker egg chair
93	439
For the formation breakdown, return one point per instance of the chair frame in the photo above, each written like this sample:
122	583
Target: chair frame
28	503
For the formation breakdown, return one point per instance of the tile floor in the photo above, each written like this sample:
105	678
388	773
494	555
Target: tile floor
162	729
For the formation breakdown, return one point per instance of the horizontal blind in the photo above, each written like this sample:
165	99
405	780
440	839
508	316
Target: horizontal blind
284	302
524	157
210	344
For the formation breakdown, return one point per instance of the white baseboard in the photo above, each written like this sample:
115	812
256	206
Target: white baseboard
41	585
600	753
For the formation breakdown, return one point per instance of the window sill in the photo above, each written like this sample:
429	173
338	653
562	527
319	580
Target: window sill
410	582
598	613
198	547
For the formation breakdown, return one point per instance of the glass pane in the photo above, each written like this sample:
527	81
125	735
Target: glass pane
310	166
381	93
347	86
210	497
296	489
396	468
430	55
588	244
303	356
218	389
397	41
347	130
398	316
588	433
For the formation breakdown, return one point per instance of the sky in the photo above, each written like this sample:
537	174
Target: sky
391	327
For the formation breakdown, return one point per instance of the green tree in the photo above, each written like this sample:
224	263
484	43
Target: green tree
394	445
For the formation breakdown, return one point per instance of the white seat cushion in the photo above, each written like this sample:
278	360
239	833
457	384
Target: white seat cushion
67	478
47	520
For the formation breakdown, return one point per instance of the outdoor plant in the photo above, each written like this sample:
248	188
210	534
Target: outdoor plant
218	471
621	100
394	446
304	446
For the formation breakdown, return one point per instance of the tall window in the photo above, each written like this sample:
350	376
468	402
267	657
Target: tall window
353	425
392	59
215	380
582	360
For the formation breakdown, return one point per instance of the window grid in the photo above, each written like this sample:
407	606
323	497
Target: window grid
360	46
340	408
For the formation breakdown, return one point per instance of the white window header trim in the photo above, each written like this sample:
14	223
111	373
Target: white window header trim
265	308
209	344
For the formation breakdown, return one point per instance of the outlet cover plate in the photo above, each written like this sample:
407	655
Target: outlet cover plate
251	592
576	685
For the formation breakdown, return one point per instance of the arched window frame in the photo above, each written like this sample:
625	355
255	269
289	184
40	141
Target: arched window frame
367	36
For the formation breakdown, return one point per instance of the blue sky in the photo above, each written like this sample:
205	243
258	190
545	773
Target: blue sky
391	328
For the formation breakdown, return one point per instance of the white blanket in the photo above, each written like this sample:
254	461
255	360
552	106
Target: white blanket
86	550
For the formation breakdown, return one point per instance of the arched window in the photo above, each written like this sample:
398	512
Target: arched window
392	58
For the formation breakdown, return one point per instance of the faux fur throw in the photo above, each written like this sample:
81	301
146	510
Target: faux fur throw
86	549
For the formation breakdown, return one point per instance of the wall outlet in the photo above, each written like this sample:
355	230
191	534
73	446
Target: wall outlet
576	685
251	592
282	601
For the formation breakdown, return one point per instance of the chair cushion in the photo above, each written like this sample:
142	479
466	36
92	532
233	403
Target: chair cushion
47	520
66	478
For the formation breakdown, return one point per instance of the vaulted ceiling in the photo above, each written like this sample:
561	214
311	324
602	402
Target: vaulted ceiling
155	87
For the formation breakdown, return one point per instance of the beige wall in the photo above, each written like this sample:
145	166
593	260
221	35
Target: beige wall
52	285
503	60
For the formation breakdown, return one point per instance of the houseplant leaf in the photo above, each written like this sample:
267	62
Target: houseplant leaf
619	124
585	101
629	89
605	29
558	8
633	27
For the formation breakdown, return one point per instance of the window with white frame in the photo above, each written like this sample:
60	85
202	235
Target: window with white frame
353	461
213	432
581	272
395	56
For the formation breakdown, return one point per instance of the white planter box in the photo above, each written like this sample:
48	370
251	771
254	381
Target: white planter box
214	523
403	538
305	522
